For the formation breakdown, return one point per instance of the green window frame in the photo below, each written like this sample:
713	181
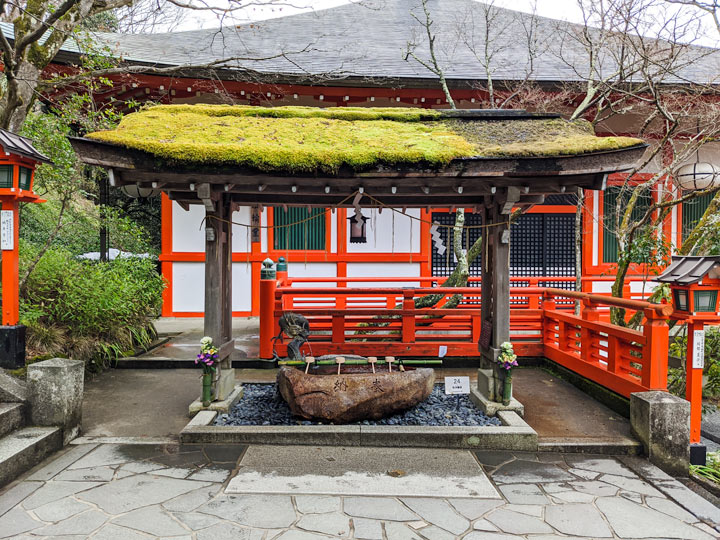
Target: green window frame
25	175
306	230
611	194
6	179
692	212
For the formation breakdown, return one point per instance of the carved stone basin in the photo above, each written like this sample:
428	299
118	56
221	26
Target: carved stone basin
356	394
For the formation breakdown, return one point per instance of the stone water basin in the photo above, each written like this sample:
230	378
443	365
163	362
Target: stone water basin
355	394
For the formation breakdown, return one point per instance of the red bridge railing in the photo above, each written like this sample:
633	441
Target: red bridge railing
383	320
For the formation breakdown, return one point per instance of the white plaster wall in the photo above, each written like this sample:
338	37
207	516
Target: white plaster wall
379	231
240	235
188	235
186	232
241	287
188	291
602	286
384	269
299	269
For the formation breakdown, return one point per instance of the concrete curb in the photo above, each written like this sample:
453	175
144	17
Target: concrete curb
514	434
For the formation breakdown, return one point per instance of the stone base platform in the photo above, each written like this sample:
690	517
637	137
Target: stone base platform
220	406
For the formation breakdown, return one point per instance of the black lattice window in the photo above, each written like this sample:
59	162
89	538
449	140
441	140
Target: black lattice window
540	245
443	265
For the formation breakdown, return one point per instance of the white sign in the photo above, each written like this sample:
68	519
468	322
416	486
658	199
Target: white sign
442	351
7	230
698	353
457	385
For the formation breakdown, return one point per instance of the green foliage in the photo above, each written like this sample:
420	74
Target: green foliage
89	310
305	139
711	470
678	348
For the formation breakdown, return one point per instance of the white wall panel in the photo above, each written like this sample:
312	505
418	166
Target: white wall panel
382	270
241	287
188	286
380	231
186	232
602	286
241	235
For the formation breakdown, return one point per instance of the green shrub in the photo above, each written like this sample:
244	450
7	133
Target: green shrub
91	311
678	348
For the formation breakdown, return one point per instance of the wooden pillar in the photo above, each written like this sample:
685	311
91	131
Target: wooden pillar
694	363
10	257
218	283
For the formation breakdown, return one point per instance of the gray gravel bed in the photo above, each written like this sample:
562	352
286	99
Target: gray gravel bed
262	405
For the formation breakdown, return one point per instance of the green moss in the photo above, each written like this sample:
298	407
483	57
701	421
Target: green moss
295	143
308	139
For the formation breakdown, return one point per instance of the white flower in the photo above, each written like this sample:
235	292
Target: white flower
206	341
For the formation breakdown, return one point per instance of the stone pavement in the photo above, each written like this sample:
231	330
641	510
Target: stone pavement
112	491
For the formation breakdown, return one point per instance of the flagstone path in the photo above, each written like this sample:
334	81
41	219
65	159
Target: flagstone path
128	492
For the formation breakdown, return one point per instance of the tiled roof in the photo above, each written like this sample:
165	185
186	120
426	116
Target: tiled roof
367	40
15	144
688	270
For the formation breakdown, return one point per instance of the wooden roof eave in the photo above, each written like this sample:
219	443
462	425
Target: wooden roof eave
399	185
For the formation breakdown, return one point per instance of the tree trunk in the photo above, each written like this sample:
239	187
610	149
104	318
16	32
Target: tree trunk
19	95
695	237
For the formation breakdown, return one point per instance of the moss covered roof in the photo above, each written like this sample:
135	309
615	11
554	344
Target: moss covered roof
309	139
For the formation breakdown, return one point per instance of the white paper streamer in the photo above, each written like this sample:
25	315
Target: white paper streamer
437	239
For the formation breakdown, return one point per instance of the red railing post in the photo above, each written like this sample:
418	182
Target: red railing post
548	304
268	285
408	320
588	339
338	328
655	351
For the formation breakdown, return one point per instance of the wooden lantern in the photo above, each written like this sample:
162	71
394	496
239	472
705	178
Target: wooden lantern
695	284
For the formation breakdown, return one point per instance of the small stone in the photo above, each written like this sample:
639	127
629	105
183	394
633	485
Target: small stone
54	490
573	497
93	474
399	531
190	501
60	509
600	465
418	524
484	525
377	508
578	519
527	509
523	494
367	529
517	523
593	487
229	531
115	532
474	508
84	523
530	472
209	474
196	520
317	504
434	532
16	522
631	484
334	524
253	510
151	520
438	512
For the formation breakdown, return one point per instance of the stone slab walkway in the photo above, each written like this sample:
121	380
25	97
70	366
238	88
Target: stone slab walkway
127	492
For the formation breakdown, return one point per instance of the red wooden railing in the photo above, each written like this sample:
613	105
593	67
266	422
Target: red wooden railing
383	320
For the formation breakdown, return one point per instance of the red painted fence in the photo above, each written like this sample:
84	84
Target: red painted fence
376	321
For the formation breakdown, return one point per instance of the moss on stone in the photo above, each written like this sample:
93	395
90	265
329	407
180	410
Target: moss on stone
308	139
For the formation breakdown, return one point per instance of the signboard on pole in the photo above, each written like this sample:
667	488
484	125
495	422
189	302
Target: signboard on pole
457	385
7	230
698	353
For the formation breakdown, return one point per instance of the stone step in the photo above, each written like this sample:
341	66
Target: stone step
25	448
12	417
